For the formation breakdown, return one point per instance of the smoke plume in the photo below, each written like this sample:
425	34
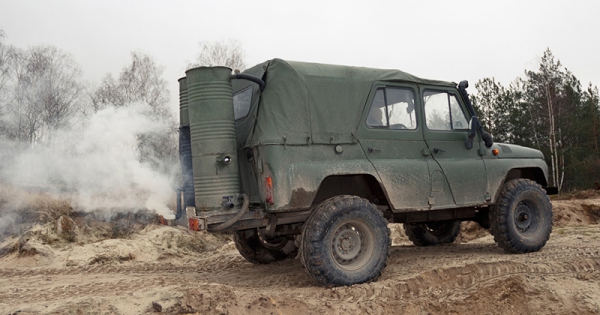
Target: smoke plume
97	163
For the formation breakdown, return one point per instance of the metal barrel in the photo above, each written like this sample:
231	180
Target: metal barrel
185	147
212	131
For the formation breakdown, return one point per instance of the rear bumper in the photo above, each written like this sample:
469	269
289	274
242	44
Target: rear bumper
252	219
231	220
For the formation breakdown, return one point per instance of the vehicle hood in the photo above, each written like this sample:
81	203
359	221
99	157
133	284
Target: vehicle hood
513	151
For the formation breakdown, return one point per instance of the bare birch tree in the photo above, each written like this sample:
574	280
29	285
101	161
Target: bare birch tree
141	81
44	87
221	53
545	93
4	52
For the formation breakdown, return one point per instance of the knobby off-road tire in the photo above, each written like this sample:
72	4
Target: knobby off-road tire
258	250
345	241
432	233
521	221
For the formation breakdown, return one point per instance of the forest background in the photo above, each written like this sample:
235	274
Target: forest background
47	111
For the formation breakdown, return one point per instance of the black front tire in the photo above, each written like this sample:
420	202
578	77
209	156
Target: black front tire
521	221
432	233
256	249
345	241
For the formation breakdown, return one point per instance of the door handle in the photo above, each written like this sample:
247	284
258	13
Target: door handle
437	150
371	150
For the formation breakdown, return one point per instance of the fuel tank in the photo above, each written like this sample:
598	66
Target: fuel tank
213	143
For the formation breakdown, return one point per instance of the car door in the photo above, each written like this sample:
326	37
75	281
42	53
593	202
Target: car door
446	131
392	139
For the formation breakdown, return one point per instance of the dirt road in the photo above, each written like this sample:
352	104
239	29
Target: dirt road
166	269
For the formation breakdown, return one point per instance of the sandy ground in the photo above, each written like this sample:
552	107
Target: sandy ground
70	267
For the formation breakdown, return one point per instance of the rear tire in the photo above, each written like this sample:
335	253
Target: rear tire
345	241
521	221
259	250
432	233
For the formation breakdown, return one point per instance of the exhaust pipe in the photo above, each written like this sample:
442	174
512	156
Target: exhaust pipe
185	149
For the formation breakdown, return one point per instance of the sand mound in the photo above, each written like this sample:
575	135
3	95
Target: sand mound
576	212
85	240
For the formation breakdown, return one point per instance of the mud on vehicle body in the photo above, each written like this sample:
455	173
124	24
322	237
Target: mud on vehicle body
316	159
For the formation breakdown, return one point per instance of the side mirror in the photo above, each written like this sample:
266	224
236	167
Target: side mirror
487	139
474	125
472	131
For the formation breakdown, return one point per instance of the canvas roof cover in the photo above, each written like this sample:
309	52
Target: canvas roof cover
305	103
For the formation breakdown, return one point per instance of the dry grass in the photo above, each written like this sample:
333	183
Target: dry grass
578	194
21	209
33	206
49	208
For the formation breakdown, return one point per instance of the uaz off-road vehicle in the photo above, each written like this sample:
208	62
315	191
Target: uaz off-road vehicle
316	159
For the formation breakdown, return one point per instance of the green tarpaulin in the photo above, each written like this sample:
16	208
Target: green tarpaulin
306	103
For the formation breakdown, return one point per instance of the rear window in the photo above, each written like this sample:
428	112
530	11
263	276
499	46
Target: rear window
393	108
242	100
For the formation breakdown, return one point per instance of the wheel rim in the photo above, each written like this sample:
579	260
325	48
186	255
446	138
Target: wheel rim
437	228
272	243
352	245
527	217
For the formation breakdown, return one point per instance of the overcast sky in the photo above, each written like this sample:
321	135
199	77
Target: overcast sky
447	40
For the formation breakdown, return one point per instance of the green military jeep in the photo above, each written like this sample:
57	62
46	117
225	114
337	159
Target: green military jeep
316	159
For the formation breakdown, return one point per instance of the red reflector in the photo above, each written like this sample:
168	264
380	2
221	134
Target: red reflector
194	224
269	190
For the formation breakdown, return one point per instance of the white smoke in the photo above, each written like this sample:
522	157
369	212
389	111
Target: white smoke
98	163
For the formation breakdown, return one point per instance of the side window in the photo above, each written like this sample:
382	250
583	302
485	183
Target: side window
401	108
393	108
242	100
443	111
459	120
377	116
